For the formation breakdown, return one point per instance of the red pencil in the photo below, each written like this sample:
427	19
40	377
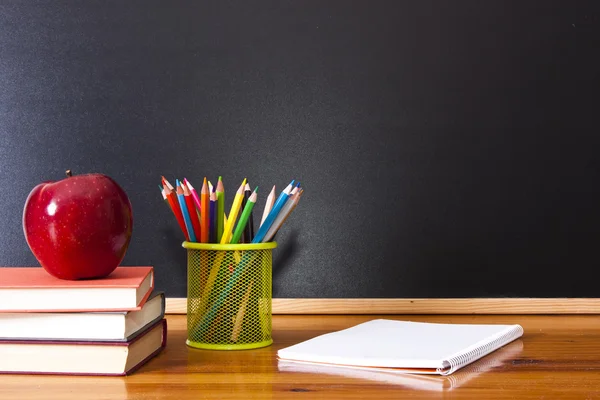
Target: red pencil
189	201
174	203
166	182
204	213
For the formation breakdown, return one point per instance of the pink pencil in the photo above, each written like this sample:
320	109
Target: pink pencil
194	193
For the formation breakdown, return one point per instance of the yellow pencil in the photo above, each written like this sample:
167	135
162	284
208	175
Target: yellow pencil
235	209
237	321
225	223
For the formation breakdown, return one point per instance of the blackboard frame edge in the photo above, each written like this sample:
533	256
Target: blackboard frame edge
443	306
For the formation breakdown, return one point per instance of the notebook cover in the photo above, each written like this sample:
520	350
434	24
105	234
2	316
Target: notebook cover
89	343
37	278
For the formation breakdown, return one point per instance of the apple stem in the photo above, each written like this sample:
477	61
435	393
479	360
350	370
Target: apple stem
69	173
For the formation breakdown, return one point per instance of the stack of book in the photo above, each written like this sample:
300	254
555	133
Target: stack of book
108	326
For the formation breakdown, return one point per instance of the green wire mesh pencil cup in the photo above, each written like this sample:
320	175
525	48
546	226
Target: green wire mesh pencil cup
229	295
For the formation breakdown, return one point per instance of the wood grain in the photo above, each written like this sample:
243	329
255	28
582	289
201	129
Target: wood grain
499	306
557	358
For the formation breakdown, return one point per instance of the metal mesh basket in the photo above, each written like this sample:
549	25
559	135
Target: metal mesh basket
229	295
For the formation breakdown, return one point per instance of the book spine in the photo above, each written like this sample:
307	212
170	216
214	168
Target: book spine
460	360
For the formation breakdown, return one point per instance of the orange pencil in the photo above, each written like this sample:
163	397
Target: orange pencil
204	213
174	204
189	201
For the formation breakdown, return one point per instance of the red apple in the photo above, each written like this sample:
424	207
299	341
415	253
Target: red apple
78	227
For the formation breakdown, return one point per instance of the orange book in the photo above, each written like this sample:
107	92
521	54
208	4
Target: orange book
32	289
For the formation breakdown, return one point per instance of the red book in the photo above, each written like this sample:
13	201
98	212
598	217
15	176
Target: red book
82	358
32	289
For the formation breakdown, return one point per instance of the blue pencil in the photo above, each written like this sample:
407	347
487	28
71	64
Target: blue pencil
184	211
264	227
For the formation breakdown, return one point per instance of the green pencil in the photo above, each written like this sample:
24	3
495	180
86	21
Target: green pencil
220	209
241	225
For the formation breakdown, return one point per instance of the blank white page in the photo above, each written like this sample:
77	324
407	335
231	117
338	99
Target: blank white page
402	344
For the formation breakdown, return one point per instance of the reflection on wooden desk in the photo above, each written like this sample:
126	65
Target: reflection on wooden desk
412	381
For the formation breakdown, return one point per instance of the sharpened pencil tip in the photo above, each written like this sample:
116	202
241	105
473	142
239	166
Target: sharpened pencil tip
176	182
220	177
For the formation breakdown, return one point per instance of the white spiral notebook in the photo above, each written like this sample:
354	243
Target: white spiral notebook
412	347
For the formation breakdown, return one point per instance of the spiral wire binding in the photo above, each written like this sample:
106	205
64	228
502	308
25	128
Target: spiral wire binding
457	362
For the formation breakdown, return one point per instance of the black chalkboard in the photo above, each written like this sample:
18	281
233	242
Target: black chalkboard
446	148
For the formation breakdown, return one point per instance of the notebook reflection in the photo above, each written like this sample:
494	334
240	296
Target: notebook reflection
489	363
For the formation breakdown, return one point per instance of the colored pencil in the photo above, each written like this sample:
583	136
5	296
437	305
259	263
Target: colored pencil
232	217
295	189
247	193
166	182
191	208
194	194
264	228
237	325
176	209
268	205
212	235
220	191
249	231
194	211
225	223
222	295
204	212
285	212
245	217
184	211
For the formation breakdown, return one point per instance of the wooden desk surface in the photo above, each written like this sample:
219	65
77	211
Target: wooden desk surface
557	358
